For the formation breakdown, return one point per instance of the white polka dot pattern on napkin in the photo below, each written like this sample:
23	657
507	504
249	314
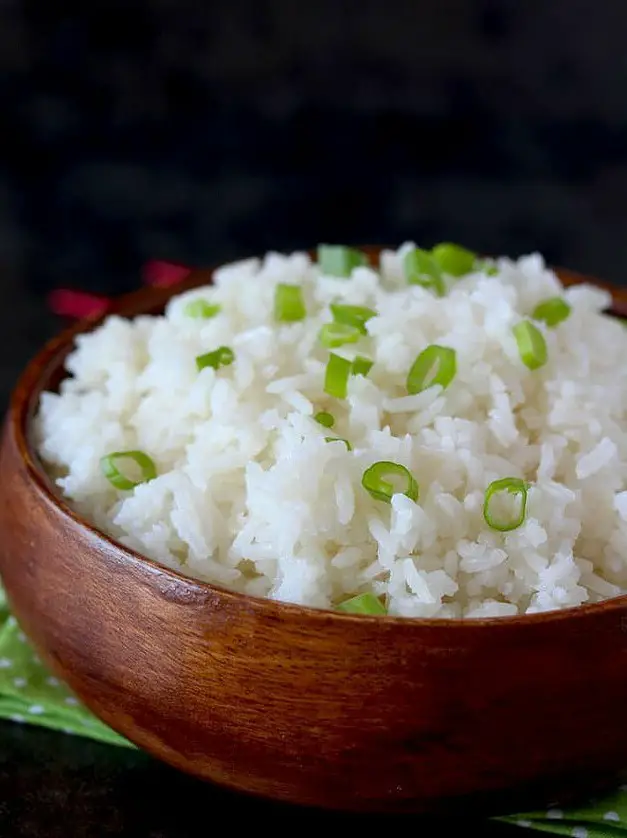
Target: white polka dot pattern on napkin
28	693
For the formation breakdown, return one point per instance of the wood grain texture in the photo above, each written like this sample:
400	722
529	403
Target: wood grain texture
307	706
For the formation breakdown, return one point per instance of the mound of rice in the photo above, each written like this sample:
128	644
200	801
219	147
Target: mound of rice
250	496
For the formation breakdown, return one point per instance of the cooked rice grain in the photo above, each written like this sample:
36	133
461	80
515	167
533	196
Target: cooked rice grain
250	496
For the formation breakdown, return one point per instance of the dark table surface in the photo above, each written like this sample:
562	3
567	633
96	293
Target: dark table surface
58	786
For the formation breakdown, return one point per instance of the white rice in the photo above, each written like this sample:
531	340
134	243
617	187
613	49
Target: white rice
250	496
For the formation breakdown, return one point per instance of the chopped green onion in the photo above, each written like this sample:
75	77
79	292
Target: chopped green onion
356	316
337	260
453	259
531	345
361	365
373	480
336	376
435	365
552	311
363	604
513	486
289	305
421	269
201	309
349	447
221	357
110	467
337	334
327	420
486	266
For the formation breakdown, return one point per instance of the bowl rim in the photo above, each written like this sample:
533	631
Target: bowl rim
49	359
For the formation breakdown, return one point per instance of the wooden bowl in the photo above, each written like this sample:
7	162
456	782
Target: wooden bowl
307	706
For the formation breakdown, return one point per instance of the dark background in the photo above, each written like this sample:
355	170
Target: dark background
198	131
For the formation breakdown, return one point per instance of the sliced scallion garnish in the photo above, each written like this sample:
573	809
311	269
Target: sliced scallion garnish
356	316
421	269
289	305
531	344
336	376
453	259
349	447
220	357
338	260
361	365
327	420
338	334
552	311
201	309
486	266
375	482
435	365
511	486
111	467
363	604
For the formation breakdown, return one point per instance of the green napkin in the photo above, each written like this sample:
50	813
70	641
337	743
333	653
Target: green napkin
29	694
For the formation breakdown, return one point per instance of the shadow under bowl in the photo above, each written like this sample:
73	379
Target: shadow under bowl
312	707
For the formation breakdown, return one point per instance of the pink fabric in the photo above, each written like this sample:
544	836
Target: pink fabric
164	274
77	304
68	302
